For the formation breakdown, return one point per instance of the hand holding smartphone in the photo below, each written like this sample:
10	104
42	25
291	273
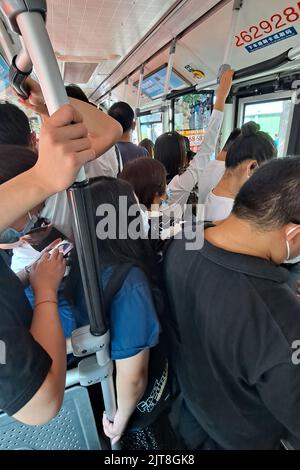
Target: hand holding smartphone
64	247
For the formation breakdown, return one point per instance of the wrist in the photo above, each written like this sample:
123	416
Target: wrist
220	104
39	189
41	294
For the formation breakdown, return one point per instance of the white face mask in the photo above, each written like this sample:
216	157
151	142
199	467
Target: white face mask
297	258
146	225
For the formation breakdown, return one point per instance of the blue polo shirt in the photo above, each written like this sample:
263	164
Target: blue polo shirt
133	321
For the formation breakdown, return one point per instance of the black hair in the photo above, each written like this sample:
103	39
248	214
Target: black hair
148	145
15	160
147	177
252	144
124	114
120	249
232	137
270	199
74	91
14	126
189	152
170	150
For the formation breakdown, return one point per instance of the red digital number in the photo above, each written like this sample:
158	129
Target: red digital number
246	36
256	29
279	19
291	14
239	42
266	26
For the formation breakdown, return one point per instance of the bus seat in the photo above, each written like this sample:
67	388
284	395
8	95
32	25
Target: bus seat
73	429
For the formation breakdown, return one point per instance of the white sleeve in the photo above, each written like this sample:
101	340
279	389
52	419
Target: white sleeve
106	165
181	185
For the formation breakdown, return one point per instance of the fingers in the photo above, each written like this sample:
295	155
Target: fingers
53	244
86	156
64	116
71	132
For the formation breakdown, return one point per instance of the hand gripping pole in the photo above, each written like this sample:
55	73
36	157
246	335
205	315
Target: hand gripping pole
27	18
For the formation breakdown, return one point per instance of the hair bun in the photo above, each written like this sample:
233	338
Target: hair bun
249	129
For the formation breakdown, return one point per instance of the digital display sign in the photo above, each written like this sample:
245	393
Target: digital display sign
154	83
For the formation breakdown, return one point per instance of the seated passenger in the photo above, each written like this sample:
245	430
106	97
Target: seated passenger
149	146
238	321
33	366
124	114
148	179
252	148
141	366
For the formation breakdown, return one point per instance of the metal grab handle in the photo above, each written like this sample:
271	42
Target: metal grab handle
17	80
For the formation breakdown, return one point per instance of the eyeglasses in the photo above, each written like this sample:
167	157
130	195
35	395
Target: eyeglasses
296	222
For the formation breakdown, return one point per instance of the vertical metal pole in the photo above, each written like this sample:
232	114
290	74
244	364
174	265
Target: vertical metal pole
138	103
234	20
126	85
38	45
165	107
170	66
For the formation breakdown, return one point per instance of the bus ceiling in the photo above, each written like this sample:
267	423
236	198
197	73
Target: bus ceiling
263	34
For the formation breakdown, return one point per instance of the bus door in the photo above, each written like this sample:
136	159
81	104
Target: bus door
273	112
151	126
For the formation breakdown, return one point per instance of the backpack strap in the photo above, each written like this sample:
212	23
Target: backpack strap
115	283
119	159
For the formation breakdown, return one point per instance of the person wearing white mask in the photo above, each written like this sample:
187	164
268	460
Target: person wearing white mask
242	330
252	148
148	179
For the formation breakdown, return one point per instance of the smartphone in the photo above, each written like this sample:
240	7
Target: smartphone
38	229
64	247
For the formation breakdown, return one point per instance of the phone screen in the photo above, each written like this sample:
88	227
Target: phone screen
64	247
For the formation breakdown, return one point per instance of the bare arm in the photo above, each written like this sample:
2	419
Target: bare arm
64	148
132	378
103	130
47	331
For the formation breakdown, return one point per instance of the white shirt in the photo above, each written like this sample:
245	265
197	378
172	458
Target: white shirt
57	207
24	255
181	185
217	207
209	179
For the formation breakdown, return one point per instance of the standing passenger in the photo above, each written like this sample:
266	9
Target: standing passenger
237	362
124	114
183	178
252	148
149	146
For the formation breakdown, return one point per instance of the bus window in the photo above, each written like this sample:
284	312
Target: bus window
151	126
273	115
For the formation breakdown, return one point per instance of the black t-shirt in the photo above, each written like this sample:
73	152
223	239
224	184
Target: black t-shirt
237	320
24	364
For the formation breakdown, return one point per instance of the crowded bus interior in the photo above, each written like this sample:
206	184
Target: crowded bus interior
149	225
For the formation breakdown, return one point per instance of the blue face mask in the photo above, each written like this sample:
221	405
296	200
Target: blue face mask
30	224
165	202
10	235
